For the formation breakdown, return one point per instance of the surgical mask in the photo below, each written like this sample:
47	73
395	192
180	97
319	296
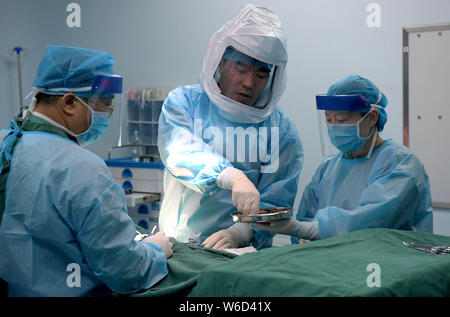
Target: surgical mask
99	123
346	137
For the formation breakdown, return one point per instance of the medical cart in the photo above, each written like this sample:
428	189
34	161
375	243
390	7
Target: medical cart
141	173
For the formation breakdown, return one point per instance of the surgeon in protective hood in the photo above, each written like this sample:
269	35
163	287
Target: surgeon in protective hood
225	143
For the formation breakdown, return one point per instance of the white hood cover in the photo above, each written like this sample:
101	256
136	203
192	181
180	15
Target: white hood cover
256	32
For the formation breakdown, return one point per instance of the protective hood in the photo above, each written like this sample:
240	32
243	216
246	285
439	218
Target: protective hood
256	32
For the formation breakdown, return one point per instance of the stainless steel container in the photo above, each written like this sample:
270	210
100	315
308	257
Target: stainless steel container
264	215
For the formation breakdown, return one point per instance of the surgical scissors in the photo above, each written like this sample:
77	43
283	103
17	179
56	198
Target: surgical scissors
427	248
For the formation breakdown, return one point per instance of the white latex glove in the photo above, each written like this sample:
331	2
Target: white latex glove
224	239
292	227
163	241
244	194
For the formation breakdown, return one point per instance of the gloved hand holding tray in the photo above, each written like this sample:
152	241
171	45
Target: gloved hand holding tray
264	215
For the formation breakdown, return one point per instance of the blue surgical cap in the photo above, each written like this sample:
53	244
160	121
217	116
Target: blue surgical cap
357	85
65	69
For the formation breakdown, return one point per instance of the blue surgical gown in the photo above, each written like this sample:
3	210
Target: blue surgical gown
63	209
196	144
389	190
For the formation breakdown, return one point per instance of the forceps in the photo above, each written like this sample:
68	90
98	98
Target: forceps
430	249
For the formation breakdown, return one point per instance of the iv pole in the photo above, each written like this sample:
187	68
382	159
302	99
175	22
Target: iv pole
18	50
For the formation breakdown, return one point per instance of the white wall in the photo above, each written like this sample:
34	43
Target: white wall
441	221
162	42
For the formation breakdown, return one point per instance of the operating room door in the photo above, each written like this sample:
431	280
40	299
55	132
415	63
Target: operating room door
426	98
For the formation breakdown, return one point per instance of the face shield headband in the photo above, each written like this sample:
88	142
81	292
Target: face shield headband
104	86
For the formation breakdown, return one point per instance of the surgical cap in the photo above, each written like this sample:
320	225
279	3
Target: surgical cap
357	85
65	69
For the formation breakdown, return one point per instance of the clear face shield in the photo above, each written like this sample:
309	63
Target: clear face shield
245	79
344	124
102	100
105	95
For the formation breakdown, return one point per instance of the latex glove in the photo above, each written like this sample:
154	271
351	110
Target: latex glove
224	239
292	227
244	194
163	241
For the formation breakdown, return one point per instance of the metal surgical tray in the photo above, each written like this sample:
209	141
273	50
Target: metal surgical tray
264	215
